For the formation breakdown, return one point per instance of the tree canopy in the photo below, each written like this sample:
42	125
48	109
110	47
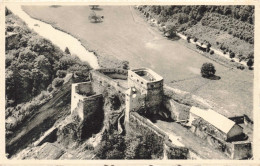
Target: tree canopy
208	70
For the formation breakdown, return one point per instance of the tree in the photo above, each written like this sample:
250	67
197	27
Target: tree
208	70
94	17
188	39
61	73
65	62
57	82
125	65
67	51
170	30
250	63
232	55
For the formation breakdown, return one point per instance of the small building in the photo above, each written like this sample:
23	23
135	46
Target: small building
215	124
201	47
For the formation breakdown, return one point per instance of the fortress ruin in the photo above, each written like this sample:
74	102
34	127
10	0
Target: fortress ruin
143	89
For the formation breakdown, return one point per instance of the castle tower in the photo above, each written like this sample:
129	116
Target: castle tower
149	89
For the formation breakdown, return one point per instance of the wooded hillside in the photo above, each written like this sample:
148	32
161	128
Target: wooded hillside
226	26
34	69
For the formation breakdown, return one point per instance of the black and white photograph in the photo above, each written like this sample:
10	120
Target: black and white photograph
129	82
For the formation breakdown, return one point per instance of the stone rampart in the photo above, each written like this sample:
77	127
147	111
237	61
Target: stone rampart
102	82
138	122
147	123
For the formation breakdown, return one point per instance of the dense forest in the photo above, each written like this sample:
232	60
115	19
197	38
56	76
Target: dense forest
218	25
34	69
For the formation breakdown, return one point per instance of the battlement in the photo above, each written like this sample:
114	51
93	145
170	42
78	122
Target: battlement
144	79
84	99
147	74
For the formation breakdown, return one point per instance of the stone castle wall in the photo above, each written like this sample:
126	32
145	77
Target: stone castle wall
138	122
179	112
92	105
84	100
103	83
87	99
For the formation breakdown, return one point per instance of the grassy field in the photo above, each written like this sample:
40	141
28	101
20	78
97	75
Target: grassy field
125	35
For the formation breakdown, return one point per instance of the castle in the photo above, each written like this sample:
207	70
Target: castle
143	89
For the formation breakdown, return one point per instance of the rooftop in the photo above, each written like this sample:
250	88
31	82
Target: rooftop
219	121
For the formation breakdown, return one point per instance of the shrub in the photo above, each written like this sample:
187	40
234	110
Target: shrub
57	82
188	39
250	63
50	88
241	67
125	65
208	45
67	51
89	147
250	56
232	55
171	30
147	15
66	61
115	102
208	70
43	95
61	73
195	39
211	52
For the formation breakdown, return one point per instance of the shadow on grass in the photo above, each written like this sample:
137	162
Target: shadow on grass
96	22
97	9
213	77
175	38
55	6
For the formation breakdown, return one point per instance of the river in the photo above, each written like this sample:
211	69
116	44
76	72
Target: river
57	37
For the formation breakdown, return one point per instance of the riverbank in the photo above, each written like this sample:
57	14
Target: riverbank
57	37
